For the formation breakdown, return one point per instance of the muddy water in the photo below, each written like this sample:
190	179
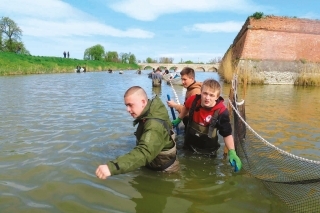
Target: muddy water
56	129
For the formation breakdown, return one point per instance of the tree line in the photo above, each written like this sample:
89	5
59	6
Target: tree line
97	52
168	60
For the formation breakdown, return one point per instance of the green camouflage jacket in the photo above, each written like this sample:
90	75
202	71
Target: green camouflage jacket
152	138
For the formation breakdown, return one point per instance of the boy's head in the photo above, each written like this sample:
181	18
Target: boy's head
187	76
135	100
210	92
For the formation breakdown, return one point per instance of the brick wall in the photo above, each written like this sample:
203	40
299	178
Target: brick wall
278	38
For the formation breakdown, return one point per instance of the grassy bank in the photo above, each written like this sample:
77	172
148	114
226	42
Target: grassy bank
17	64
246	73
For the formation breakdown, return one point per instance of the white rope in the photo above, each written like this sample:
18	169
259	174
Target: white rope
174	92
268	143
235	108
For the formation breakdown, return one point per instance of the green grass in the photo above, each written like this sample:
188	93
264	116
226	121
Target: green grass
18	64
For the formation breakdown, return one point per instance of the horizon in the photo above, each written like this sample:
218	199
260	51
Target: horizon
185	31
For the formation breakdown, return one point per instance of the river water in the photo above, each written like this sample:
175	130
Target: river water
55	129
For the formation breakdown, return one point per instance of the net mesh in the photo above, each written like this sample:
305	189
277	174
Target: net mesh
295	180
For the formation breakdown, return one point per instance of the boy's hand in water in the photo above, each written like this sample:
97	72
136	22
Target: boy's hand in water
234	160
103	172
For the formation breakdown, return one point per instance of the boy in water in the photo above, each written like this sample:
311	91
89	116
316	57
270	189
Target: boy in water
207	116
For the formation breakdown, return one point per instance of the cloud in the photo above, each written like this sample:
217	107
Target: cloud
40	28
149	10
49	9
226	27
53	18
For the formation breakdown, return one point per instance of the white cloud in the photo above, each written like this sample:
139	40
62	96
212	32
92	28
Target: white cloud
48	9
40	28
53	18
227	27
148	10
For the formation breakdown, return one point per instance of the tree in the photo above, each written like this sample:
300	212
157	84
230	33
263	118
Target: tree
188	62
20	48
112	56
1	43
94	53
124	58
10	34
149	60
215	60
132	59
86	55
165	60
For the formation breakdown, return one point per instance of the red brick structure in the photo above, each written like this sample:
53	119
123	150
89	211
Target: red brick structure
278	44
279	38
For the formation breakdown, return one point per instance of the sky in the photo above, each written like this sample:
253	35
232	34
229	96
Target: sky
195	30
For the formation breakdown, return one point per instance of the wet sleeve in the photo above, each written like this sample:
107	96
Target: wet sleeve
224	125
150	145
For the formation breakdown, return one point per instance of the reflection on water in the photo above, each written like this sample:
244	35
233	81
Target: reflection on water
56	129
156	91
286	116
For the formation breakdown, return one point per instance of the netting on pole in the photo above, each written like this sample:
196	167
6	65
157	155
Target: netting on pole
294	179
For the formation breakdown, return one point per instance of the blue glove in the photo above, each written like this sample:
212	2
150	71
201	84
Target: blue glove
176	122
234	160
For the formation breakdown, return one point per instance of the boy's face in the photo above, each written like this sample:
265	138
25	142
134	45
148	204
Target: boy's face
208	97
186	80
135	105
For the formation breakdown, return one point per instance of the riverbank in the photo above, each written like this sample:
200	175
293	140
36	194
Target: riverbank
18	64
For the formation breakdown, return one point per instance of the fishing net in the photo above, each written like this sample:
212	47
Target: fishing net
295	180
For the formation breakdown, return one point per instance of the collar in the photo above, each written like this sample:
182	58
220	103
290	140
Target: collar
191	84
144	113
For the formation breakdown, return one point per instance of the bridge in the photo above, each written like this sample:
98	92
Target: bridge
196	67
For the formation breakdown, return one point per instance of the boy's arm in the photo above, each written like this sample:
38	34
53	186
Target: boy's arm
233	157
183	113
175	105
229	142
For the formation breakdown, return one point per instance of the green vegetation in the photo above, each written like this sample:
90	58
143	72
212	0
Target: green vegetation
16	59
257	15
309	75
246	72
10	37
94	53
17	64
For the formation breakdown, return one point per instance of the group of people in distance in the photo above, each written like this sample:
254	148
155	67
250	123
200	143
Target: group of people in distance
203	113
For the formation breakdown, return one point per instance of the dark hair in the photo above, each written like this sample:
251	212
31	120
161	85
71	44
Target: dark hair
187	71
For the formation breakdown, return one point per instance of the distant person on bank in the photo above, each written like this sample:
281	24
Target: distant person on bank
155	147
208	116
